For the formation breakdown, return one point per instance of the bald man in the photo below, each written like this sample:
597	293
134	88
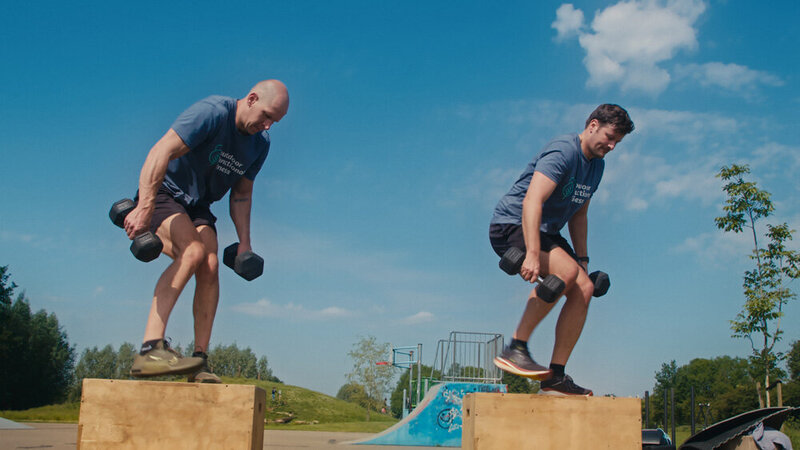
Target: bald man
218	144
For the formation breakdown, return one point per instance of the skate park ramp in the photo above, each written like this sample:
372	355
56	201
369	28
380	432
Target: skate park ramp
436	421
6	424
723	432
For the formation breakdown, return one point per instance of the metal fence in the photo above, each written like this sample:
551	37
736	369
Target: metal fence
468	357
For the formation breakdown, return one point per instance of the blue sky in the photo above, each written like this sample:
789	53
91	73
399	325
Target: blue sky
408	121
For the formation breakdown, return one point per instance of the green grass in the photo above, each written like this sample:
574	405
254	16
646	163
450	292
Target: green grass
329	413
310	410
65	412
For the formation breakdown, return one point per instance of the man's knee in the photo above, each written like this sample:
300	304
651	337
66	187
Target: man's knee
586	286
209	268
581	289
196	255
569	274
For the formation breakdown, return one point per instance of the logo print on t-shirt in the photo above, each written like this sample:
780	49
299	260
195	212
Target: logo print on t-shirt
213	157
568	188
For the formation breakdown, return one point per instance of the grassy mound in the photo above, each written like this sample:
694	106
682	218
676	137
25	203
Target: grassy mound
295	408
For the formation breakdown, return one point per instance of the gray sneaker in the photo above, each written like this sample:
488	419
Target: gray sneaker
162	360
519	362
203	374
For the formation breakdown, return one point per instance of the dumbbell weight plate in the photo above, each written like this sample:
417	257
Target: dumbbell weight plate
229	255
146	247
249	265
601	283
119	210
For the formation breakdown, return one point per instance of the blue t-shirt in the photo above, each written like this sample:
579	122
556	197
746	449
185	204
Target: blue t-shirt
576	178
219	154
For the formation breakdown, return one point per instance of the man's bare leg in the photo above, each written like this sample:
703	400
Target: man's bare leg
516	357
182	243
206	294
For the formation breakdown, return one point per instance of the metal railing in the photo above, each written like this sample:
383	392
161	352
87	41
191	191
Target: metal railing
468	357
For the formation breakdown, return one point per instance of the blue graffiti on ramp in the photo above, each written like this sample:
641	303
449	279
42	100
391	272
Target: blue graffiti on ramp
436	421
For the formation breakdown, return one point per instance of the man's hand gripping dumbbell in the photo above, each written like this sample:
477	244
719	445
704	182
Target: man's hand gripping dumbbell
248	265
550	288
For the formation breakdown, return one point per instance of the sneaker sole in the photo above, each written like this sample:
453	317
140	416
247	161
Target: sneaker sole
555	393
144	373
509	367
207	380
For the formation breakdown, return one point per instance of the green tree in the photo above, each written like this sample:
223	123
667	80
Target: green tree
516	384
354	393
96	363
765	288
103	363
37	360
396	398
793	361
722	382
232	361
125	355
264	372
376	379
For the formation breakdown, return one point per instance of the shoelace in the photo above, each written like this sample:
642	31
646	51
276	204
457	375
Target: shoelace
168	348
568	382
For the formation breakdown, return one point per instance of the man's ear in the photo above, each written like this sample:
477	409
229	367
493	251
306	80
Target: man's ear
252	98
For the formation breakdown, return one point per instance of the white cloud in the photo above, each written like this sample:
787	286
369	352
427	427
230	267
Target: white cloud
420	317
772	154
266	308
727	249
685	127
629	40
694	183
485	188
569	21
717	248
628	44
731	77
355	260
16	237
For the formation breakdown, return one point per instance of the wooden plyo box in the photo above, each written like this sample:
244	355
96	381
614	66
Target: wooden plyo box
123	414
531	421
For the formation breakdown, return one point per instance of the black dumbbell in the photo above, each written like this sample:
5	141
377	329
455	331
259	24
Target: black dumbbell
146	246
601	283
248	265
550	288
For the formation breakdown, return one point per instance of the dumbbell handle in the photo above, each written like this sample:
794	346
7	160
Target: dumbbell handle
146	246
550	287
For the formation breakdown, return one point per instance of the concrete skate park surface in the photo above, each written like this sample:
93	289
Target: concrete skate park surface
60	436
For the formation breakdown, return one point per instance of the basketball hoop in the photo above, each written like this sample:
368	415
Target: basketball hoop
382	363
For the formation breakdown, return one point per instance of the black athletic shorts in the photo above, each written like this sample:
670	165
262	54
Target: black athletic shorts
505	235
167	205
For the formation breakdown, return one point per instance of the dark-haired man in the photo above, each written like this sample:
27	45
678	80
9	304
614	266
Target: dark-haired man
553	191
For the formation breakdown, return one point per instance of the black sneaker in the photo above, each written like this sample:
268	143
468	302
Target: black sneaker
519	362
563	386
204	374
